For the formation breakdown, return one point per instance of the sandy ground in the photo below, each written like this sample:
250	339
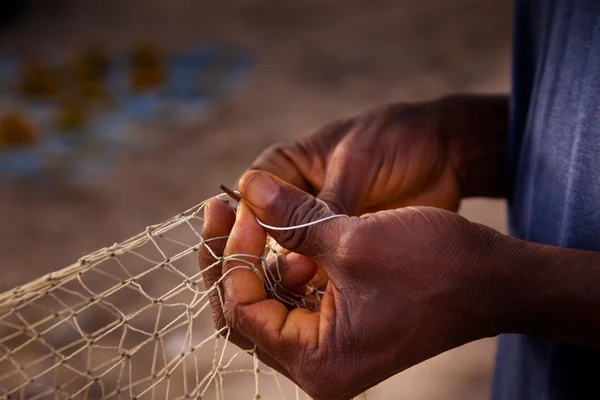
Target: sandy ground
317	61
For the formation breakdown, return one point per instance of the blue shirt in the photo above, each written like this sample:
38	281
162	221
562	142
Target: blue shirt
554	158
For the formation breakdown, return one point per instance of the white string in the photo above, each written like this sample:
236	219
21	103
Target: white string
285	228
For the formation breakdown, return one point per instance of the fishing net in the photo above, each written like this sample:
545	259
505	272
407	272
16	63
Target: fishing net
132	320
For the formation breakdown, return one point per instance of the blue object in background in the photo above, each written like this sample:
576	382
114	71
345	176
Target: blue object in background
143	106
20	163
111	129
195	82
239	68
183	71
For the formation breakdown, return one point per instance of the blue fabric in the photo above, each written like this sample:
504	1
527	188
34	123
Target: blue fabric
555	168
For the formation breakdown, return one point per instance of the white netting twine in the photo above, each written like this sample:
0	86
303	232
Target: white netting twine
133	321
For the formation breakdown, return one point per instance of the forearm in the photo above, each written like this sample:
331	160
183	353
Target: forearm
476	130
552	291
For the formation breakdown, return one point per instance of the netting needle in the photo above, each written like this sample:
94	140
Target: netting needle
230	193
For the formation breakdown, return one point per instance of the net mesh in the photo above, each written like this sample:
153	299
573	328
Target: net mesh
132	320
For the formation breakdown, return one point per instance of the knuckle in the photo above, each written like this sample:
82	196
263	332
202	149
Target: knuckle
277	149
333	200
272	155
309	210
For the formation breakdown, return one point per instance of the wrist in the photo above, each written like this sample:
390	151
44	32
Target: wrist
475	131
503	299
544	290
564	294
516	275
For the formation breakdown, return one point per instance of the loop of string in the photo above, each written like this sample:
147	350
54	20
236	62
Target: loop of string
285	228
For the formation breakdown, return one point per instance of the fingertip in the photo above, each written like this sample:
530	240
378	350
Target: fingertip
296	272
244	180
259	188
219	217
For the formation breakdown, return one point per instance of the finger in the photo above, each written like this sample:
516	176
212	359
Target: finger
265	322
243	279
218	222
342	191
289	163
219	219
304	164
290	276
243	284
293	271
277	203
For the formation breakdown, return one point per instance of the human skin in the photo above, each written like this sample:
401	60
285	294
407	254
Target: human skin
407	278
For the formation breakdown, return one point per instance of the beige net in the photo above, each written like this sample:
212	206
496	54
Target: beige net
131	321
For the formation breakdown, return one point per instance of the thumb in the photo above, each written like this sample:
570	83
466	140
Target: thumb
277	203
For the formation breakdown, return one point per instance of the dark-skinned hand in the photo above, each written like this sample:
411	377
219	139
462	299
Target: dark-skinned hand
426	154
386	158
403	286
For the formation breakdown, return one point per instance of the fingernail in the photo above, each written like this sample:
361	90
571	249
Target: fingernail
293	258
260	190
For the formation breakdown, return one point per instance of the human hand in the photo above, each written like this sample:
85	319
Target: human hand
428	154
386	158
405	285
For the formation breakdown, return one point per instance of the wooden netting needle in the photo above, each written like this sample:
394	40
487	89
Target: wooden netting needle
230	193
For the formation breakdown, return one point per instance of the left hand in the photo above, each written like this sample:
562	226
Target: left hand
405	285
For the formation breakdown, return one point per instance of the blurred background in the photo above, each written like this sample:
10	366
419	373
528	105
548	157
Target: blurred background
118	114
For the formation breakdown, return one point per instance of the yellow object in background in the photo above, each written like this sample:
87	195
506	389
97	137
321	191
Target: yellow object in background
89	71
93	90
15	131
147	69
93	64
72	116
38	80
